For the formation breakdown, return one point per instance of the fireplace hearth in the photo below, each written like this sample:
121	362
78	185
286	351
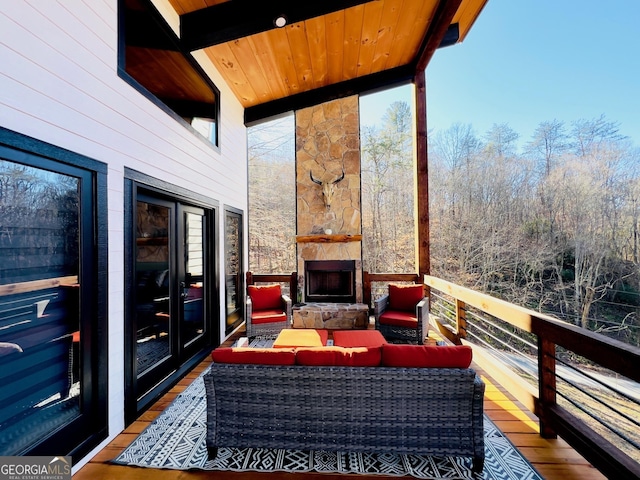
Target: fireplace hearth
330	281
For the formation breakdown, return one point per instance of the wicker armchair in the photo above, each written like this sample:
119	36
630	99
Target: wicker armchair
403	313
267	311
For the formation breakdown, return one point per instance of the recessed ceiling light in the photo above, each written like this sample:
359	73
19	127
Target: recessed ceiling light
280	21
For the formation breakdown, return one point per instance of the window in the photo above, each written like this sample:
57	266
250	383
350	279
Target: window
52	301
152	61
234	268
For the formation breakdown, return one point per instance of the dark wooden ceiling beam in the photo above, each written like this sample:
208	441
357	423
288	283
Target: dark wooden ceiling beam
451	37
239	18
366	84
437	31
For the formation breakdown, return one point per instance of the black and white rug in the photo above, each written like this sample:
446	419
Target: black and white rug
176	440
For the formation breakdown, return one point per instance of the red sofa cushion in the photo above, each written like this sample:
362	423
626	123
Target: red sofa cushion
395	355
405	297
265	297
268	316
358	338
254	356
339	356
399	318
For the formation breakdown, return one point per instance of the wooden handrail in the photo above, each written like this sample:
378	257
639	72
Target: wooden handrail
35	285
612	354
617	356
290	278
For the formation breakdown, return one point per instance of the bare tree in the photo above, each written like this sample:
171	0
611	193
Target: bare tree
272	198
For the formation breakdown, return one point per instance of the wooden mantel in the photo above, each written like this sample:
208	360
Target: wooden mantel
334	238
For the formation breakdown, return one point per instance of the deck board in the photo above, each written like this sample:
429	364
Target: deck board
554	459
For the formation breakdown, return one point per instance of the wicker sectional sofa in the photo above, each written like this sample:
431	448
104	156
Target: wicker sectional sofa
335	407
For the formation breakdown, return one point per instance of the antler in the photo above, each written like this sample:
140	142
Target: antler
313	179
339	178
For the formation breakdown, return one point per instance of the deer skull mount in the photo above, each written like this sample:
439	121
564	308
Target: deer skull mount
327	188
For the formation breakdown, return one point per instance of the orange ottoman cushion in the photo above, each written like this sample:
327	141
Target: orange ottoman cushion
307	337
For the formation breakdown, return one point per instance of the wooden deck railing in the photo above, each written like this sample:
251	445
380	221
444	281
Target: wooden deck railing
555	419
290	278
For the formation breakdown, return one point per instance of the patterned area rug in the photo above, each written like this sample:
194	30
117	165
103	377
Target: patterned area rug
176	440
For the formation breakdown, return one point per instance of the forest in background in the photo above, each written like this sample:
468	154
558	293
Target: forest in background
550	223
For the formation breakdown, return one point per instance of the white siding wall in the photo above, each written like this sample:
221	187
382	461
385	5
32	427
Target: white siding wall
59	84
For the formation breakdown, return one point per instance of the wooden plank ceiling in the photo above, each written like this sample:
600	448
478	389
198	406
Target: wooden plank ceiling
326	50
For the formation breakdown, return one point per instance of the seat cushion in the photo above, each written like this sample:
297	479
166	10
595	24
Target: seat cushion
358	338
265	297
399	318
405	297
254	356
412	356
301	337
268	316
338	356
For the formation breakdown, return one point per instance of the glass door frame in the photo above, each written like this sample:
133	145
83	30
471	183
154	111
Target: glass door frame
138	185
234	269
80	435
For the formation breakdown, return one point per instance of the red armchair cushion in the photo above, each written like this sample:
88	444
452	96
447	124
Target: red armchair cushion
254	356
268	316
410	356
399	318
265	297
358	338
405	297
339	356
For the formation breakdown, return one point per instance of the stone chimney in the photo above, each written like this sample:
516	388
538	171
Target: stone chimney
328	144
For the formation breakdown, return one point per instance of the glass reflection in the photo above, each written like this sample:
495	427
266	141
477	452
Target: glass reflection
40	381
153	278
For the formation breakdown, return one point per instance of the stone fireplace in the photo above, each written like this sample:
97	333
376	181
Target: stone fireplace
328	204
331	281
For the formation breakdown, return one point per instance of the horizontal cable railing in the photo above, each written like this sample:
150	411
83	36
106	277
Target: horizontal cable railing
582	385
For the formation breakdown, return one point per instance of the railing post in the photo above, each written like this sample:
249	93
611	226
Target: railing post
366	289
546	384
461	319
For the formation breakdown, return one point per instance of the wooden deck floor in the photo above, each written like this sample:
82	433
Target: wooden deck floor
554	459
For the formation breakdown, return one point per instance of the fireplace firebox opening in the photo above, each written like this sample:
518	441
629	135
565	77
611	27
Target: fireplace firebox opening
331	281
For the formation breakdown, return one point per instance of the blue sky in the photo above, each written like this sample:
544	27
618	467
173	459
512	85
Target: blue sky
528	61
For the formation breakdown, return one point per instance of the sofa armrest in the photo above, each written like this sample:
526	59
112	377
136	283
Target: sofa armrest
379	307
248	309
478	422
422	313
286	303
